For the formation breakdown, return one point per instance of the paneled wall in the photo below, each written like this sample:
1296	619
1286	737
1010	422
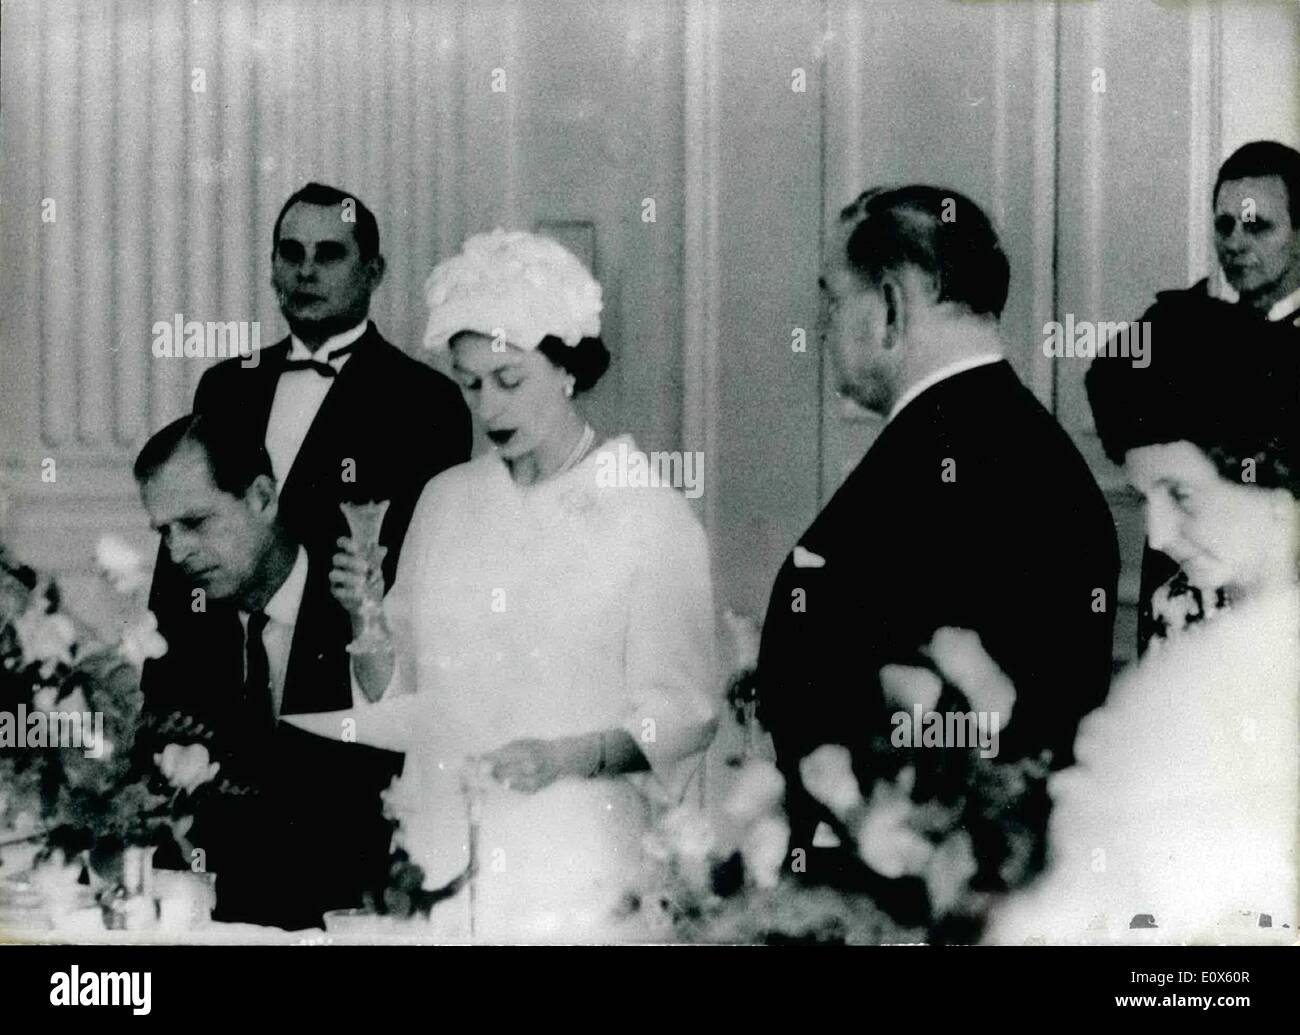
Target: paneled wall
956	95
768	206
163	136
147	149
148	146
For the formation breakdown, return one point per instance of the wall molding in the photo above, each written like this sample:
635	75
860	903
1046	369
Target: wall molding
701	269
1044	38
1205	131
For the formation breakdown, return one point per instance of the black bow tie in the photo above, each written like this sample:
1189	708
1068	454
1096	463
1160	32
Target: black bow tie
320	366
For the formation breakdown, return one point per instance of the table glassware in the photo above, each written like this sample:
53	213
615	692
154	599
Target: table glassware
364	523
475	777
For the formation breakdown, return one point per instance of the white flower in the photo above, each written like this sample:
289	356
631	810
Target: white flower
56	876
74	702
516	285
756	792
961	657
47	638
142	641
687	832
907	685
885	841
763	850
186	767
949	870
686	839
45	698
827	775
13	597
418	833
120	564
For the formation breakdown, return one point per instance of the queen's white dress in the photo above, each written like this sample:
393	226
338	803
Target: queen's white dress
558	609
1182	810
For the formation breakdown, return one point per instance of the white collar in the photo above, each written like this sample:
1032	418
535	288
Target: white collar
298	350
283	605
942	374
1285	308
1279	310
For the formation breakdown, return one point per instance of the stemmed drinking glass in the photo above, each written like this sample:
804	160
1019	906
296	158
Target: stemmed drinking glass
364	522
475	778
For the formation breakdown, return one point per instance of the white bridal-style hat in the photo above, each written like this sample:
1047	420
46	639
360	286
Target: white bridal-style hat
518	285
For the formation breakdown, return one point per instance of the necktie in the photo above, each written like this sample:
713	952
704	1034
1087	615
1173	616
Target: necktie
320	366
258	710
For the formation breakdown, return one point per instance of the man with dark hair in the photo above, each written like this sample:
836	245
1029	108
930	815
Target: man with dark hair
209	491
342	416
930	229
972	510
365	226
235	459
1256	204
298	830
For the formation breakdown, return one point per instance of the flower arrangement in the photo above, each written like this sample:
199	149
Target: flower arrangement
517	285
961	825
408	891
403	896
71	709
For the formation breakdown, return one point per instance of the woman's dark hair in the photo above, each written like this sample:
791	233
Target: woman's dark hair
1222	379
586	361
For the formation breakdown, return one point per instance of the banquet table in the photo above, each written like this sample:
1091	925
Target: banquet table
353	930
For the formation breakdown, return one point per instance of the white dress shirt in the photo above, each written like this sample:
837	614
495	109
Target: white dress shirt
298	398
282	614
942	374
1287	308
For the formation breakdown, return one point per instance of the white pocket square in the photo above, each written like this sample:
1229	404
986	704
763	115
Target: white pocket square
807	559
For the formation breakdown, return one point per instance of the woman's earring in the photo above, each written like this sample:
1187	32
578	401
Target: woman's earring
568	388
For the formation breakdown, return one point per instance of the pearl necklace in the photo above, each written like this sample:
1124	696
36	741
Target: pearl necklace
584	443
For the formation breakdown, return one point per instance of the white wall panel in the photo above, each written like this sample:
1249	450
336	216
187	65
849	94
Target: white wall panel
166	198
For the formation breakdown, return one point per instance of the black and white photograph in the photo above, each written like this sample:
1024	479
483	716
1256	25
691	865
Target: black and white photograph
650	473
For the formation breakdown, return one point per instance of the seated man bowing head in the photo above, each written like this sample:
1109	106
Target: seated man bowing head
299	829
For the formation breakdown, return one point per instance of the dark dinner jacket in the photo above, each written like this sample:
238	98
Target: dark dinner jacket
1015	547
387	426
